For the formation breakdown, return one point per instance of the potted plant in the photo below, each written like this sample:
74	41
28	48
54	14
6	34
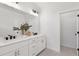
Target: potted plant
23	28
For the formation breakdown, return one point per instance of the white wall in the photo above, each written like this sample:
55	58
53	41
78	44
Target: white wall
10	18
50	27
49	23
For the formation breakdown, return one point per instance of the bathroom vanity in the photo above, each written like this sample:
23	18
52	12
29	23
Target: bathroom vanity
23	46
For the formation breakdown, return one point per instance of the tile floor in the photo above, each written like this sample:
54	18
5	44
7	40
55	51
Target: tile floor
65	51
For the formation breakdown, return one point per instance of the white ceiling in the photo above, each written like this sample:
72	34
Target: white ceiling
58	6
53	6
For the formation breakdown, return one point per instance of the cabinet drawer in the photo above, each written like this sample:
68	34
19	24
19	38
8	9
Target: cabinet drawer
34	40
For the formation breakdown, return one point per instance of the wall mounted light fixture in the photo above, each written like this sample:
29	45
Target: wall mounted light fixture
17	2
35	11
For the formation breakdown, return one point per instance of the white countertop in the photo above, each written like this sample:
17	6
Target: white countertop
18	39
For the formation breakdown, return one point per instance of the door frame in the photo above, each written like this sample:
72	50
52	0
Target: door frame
66	11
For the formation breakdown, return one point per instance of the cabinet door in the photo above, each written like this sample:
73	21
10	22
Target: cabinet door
43	41
10	53
33	49
41	44
23	51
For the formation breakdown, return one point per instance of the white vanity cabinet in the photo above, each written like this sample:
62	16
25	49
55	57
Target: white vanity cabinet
26	47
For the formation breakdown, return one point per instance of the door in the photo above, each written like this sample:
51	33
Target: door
68	29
